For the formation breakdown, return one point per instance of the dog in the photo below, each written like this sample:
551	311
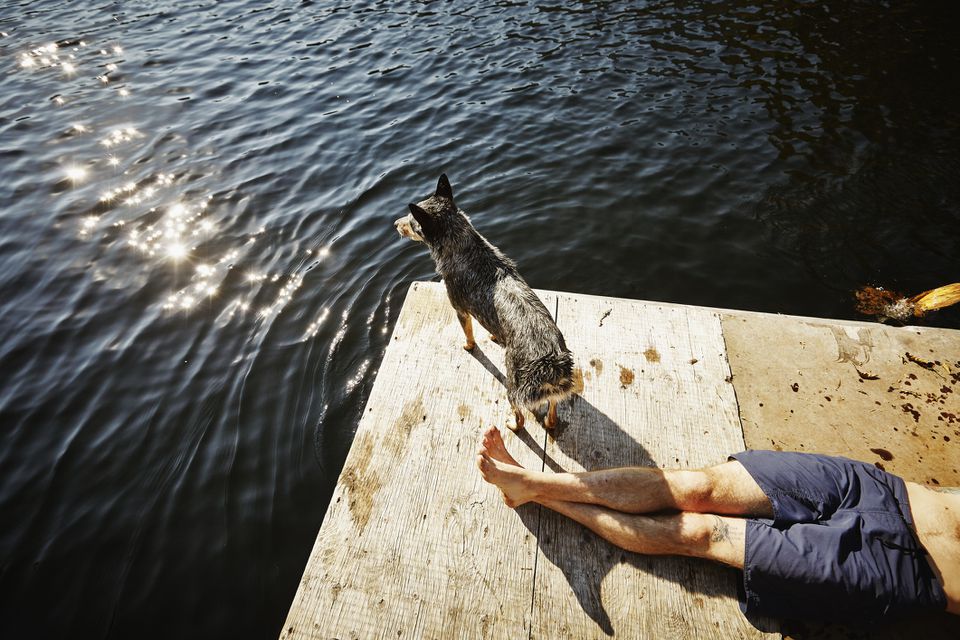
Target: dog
483	283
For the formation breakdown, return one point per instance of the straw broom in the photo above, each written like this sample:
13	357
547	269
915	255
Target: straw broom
890	304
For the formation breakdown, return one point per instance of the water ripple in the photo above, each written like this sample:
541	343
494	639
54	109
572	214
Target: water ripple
198	274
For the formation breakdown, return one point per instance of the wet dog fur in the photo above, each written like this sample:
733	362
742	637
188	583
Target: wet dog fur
483	283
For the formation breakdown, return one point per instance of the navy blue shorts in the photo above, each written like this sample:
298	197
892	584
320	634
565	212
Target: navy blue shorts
840	545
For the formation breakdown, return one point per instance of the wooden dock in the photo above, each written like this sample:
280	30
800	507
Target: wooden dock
416	545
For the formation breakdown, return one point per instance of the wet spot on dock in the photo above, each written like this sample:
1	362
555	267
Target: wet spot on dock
626	376
463	411
361	484
795	386
412	415
597	364
883	453
651	355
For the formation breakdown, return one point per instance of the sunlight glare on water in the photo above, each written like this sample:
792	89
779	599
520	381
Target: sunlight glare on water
159	226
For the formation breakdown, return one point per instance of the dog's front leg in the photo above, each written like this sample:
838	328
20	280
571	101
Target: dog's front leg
517	423
467	325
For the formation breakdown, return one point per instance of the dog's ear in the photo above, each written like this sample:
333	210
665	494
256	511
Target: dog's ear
427	224
443	187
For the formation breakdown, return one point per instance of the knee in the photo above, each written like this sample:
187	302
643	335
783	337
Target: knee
696	490
695	531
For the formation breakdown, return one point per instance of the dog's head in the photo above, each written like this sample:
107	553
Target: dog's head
429	220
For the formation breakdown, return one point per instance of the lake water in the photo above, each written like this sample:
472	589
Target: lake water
199	274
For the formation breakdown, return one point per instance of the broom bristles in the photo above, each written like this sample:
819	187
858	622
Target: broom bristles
936	298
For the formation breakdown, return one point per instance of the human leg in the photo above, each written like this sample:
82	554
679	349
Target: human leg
698	535
724	489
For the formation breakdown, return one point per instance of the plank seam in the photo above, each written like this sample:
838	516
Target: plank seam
543	465
726	360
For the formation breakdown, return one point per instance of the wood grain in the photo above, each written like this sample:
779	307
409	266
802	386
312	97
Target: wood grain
656	393
414	543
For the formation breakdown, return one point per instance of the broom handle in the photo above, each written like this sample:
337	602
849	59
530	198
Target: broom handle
936	298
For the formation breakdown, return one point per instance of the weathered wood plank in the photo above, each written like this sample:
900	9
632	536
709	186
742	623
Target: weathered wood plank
656	392
876	393
414	543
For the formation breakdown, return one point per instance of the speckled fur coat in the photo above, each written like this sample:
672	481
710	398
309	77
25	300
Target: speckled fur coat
483	283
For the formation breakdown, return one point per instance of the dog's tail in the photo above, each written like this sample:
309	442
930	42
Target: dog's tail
548	377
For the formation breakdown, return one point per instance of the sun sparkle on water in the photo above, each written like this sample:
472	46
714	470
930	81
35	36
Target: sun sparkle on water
176	250
75	173
165	227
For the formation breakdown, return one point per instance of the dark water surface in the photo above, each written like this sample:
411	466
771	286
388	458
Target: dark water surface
198	272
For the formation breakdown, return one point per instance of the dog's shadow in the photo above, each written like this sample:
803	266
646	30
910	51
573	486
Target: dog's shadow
584	559
491	368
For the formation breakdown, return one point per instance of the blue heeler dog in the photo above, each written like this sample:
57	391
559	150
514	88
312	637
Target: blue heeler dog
483	283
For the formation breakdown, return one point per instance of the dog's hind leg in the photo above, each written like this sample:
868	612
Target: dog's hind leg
551	420
467	325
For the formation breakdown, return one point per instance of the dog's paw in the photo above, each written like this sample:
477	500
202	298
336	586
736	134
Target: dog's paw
494	339
515	423
469	346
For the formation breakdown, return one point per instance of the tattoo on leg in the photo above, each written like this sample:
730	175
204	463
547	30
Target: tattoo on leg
721	531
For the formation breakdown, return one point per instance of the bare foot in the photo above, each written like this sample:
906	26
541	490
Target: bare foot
499	468
492	443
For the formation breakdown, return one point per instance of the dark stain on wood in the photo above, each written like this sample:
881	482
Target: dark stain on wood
908	408
597	364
